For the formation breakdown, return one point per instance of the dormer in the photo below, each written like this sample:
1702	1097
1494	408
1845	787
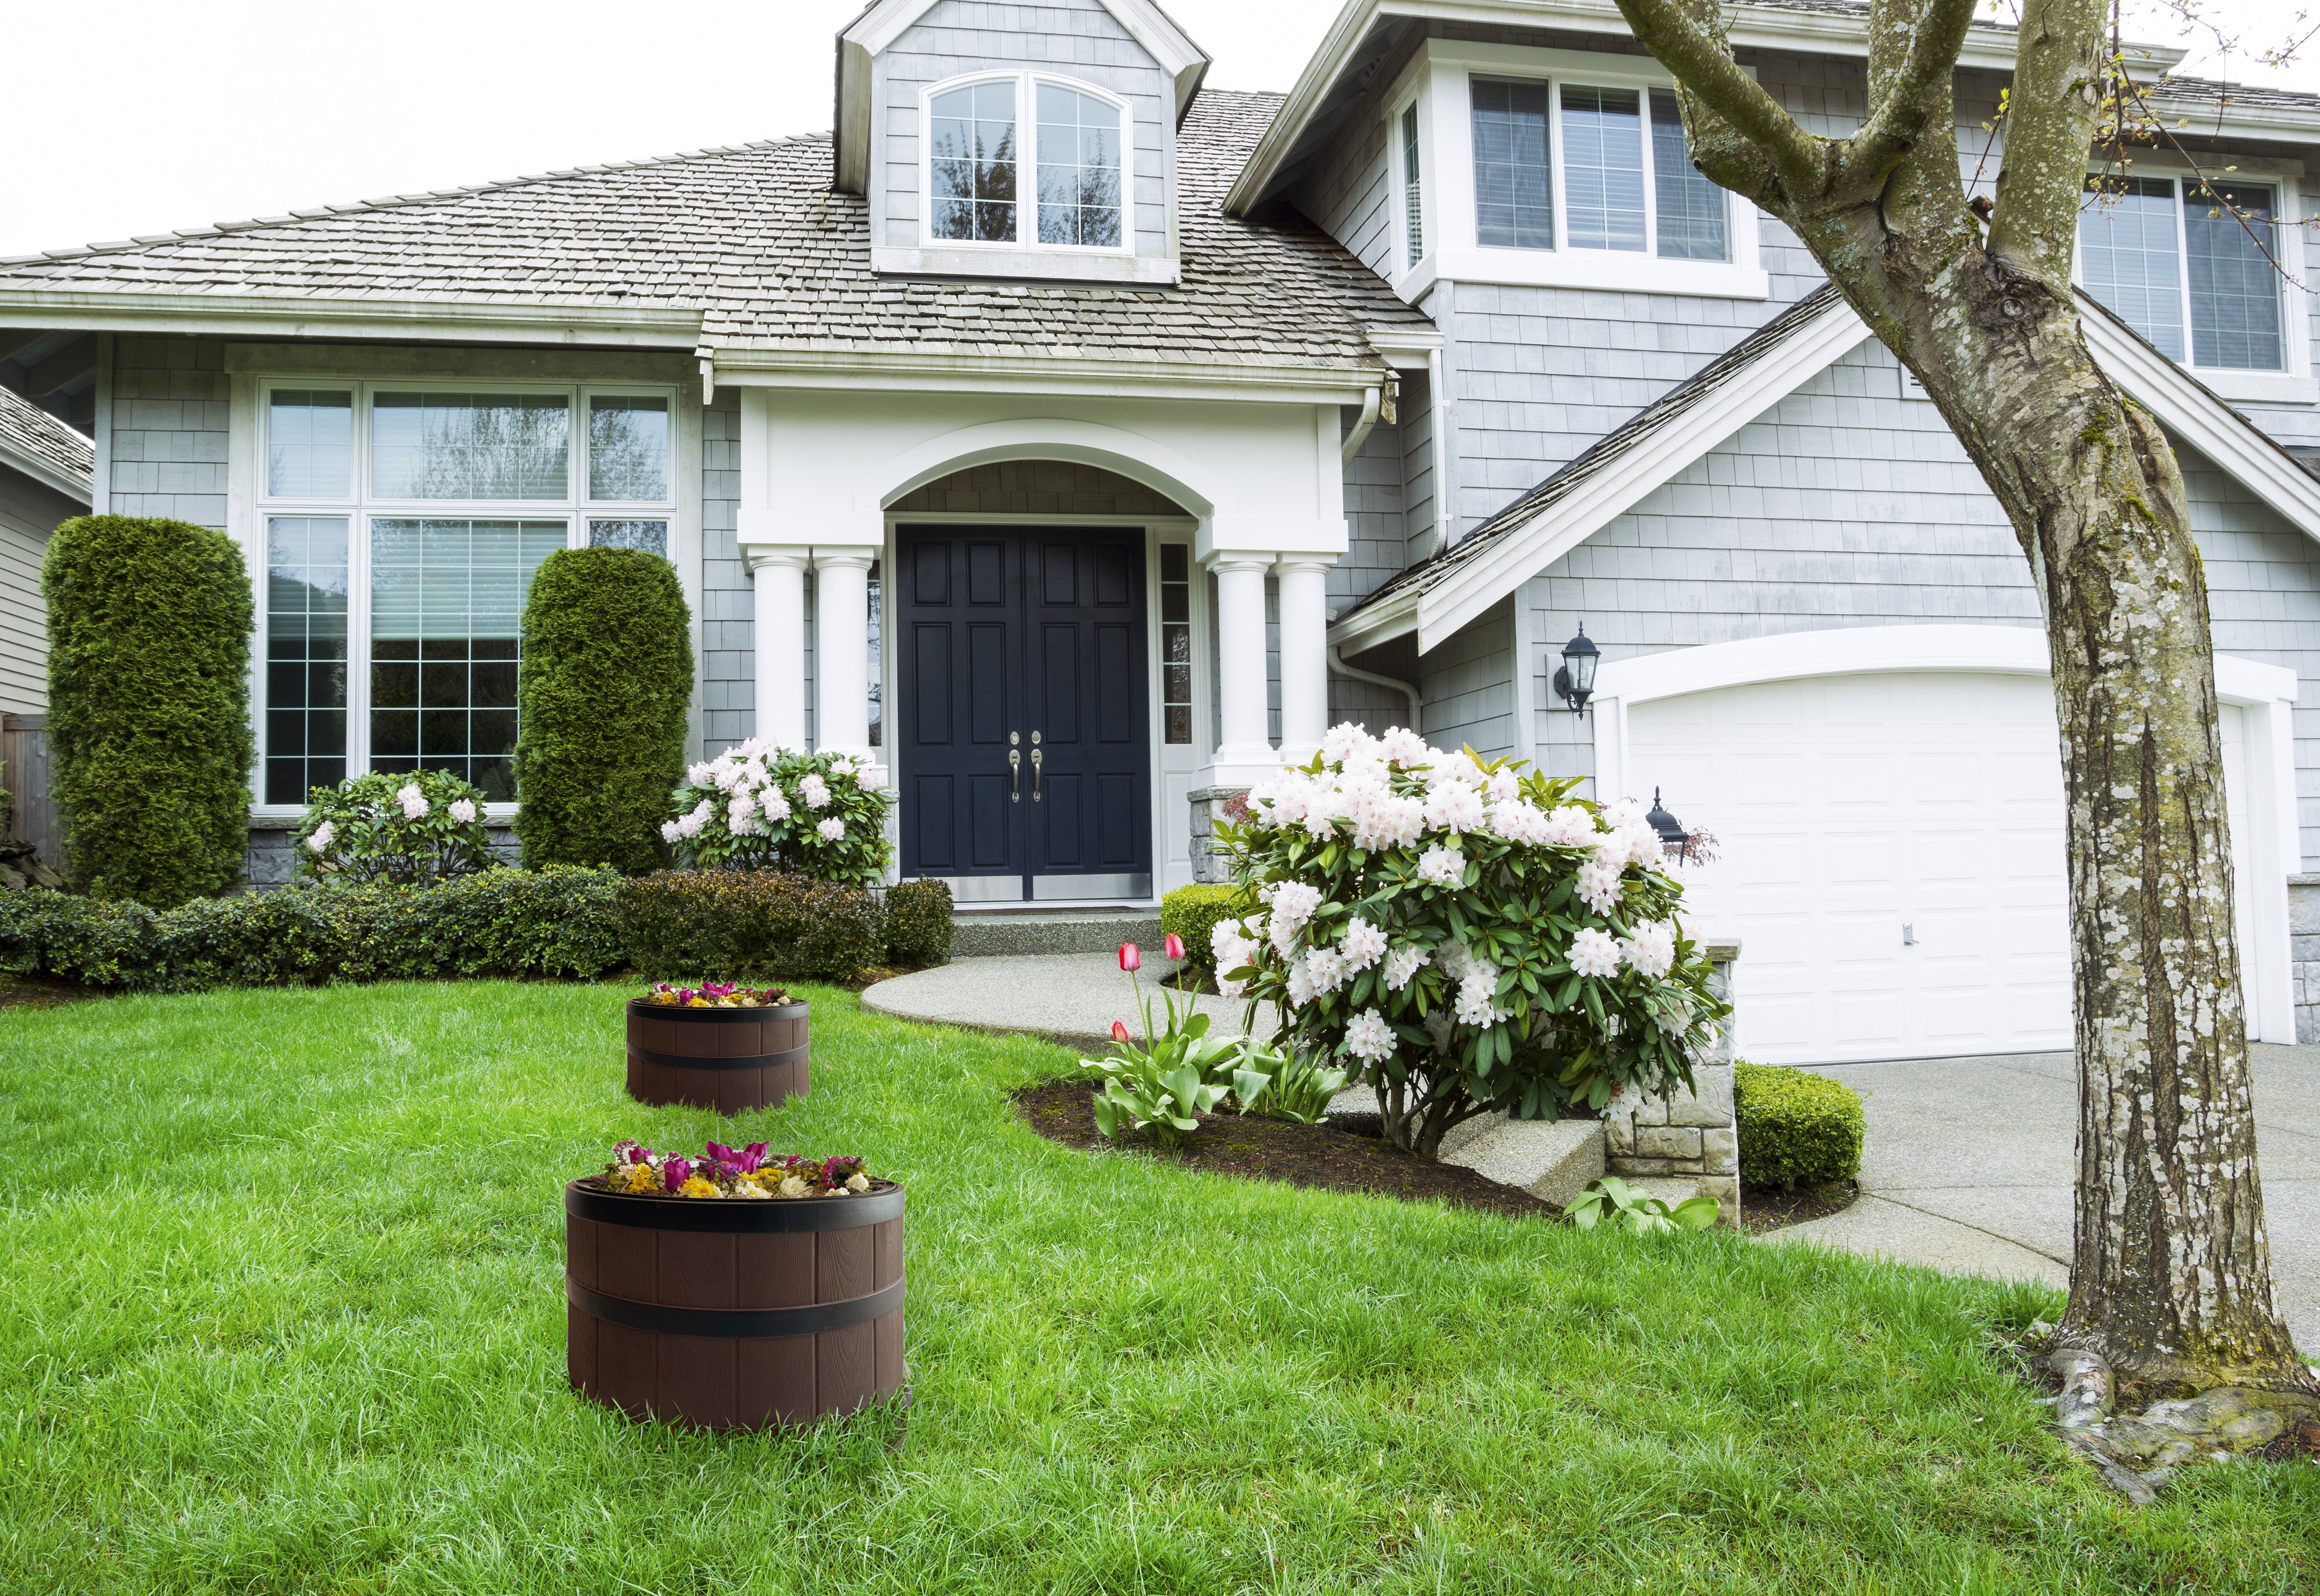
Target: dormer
1016	140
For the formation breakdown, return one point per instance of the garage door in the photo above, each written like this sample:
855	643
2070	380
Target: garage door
1892	858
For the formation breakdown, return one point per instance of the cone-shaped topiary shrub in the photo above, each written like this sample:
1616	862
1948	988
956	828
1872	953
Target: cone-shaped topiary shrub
149	706
607	679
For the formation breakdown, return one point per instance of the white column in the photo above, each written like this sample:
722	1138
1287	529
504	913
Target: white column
1244	753
1304	654
841	651
778	574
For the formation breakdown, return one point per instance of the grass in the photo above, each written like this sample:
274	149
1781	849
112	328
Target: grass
281	1313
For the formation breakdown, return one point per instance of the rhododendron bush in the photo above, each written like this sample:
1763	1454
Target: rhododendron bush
413	828
1467	934
757	807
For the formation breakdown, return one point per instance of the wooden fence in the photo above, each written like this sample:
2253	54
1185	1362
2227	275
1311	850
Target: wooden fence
25	752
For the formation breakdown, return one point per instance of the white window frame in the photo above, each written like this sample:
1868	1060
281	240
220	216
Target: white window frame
1027	166
1440	82
2293	383
358	509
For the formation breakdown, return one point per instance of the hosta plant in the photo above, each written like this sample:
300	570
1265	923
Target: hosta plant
757	807
1163	1085
1616	1205
412	829
1467	934
1298	1086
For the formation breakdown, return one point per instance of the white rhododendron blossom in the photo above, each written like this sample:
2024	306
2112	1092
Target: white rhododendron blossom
773	804
841	767
1401	964
815	792
1622	813
1594	954
1570	826
1643	845
1455	806
1522	822
1401	745
1443	866
1475	1007
1650	948
760	806
832	829
462	809
321	839
1362	944
1369	1036
415	803
1345	741
1599	883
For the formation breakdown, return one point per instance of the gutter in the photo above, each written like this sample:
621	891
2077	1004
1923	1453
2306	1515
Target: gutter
1338	666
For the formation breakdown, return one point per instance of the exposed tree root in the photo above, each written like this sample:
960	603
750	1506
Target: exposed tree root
2137	1453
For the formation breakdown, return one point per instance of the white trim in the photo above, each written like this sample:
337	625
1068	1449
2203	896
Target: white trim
1059	262
1128	454
2266	695
1027	256
49	473
1060	373
284	316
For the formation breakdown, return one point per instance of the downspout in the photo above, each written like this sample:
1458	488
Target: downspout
1408	690
1439	403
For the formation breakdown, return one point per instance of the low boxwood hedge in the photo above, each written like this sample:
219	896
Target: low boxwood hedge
918	922
723	925
557	922
1796	1127
1192	913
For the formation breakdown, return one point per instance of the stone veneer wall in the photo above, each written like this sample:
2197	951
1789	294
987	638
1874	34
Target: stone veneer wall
2304	953
272	860
1695	1136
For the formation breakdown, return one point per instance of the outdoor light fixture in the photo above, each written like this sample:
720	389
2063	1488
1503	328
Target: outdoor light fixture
1574	683
1673	838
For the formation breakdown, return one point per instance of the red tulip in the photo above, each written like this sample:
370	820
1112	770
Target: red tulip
1131	958
1174	946
1119	1031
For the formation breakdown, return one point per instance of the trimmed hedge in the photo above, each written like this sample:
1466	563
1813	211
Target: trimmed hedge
497	922
1192	913
1796	1127
149	706
918	922
723	925
607	679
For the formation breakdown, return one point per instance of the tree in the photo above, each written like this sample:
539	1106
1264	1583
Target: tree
2170	1282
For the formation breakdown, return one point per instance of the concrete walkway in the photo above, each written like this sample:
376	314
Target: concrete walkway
1071	998
1969	1167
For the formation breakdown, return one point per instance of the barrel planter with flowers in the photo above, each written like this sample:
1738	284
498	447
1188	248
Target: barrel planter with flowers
717	1046
733	1292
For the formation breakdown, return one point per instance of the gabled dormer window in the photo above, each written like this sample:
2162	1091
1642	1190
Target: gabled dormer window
977	153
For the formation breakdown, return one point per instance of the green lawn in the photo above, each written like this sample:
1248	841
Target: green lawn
280	1311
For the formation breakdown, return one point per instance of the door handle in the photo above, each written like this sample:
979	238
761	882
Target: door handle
1038	757
1015	776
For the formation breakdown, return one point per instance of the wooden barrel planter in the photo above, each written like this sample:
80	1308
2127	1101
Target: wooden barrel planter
732	1060
734	1314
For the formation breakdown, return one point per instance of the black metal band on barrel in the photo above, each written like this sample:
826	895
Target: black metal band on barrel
807	1319
734	1216
751	1061
709	1016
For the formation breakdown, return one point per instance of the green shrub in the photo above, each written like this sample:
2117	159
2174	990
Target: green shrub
1796	1127
557	921
149	706
723	925
409	829
918	922
1192	913
607	679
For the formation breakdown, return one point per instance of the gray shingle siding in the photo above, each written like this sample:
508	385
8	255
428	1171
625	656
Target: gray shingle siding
29	511
1073	37
729	665
169	421
1469	686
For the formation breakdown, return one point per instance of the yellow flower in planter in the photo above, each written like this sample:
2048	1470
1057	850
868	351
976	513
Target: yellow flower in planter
643	1177
697	1187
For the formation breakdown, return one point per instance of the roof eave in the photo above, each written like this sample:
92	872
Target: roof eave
281	315
80	485
1062	373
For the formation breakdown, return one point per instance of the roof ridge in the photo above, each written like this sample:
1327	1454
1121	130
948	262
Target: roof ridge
397	201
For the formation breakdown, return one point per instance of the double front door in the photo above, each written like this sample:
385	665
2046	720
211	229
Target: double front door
1023	748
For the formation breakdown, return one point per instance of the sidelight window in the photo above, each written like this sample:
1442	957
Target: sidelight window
402	528
1175	643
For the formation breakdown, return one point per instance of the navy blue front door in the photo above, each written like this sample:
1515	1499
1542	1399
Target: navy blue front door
1022	750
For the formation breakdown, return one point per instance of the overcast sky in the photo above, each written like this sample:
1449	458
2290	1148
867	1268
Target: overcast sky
138	117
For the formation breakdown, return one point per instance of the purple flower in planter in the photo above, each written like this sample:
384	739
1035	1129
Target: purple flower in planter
676	1172
753	1155
630	1152
721	1152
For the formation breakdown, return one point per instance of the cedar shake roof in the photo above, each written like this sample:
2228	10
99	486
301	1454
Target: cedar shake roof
752	239
31	433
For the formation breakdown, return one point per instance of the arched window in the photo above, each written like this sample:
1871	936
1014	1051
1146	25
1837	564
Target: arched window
978	144
1079	167
971	162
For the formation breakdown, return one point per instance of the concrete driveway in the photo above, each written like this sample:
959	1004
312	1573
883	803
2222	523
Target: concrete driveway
1969	1167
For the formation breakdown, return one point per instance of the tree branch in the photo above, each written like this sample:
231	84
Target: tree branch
2058	86
1702	62
1898	117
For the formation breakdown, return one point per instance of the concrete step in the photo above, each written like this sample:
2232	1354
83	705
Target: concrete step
989	932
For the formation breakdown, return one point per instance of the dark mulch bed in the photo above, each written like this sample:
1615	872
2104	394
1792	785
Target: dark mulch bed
1769	1207
1277	1150
35	992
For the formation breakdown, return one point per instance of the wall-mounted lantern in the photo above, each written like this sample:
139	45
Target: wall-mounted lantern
1674	838
1574	683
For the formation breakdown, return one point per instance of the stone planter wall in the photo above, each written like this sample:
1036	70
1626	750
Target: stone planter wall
1694	1138
2304	954
1209	807
271	862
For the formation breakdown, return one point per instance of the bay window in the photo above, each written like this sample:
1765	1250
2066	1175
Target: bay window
2190	266
401	527
978	152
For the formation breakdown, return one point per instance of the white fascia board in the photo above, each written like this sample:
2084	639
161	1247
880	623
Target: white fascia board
280	316
1748	27
1473	587
1381	623
2189	410
1003	373
79	486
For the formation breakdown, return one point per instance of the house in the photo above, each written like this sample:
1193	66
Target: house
1075	442
46	477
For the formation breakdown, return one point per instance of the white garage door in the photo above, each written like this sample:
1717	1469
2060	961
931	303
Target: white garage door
1892	858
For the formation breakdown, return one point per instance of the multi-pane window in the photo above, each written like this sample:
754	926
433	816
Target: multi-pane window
878	661
1618	157
1175	643
2169	255
305	654
1514	180
1079	167
395	591
1413	193
971	162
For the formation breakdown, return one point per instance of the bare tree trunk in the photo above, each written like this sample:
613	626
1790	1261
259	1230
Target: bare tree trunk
2171	1277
